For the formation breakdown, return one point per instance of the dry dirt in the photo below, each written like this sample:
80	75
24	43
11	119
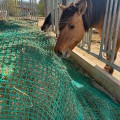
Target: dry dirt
95	47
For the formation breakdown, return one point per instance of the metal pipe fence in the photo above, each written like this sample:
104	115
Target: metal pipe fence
109	34
19	9
3	10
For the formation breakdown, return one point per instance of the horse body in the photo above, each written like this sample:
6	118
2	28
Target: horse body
75	20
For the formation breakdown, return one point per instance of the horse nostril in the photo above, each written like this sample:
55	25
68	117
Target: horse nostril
59	53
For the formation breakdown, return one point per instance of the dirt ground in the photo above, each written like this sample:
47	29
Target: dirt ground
95	47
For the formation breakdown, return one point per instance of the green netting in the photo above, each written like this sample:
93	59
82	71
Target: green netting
37	85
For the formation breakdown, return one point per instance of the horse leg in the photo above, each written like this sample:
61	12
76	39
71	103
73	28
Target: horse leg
108	68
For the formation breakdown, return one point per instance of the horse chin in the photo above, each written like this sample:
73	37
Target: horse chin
67	54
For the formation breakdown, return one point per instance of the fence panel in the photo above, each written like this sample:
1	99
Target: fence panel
3	10
109	33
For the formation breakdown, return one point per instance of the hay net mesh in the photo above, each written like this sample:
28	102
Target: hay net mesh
37	85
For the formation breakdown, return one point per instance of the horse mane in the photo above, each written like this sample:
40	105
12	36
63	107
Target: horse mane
94	13
66	15
47	22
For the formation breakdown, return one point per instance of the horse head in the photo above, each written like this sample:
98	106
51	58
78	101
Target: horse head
71	28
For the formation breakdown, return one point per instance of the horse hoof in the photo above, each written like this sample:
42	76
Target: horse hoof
109	69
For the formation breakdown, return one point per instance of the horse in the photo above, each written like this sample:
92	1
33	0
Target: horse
78	18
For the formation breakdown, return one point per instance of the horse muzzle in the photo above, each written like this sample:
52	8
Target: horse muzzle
62	54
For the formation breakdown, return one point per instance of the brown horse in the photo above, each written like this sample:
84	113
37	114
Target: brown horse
76	19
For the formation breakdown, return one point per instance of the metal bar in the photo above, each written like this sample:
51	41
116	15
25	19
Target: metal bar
36	15
104	29
45	8
1	9
108	25
52	14
112	27
32	9
16	8
48	7
7	11
116	35
89	41
64	2
56	16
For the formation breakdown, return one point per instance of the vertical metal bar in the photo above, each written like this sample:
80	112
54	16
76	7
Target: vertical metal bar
7	11
0	5
15	7
33	9
56	16
83	40
59	12
48	7
52	14
36	14
64	2
20	9
2	10
108	25
104	30
116	34
113	24
45	8
89	39
30	10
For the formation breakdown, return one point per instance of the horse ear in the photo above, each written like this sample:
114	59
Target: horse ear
62	7
82	7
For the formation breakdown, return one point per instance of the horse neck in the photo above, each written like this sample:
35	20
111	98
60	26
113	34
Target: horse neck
94	15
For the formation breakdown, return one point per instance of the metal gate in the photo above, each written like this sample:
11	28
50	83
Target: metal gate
109	34
26	10
19	9
3	10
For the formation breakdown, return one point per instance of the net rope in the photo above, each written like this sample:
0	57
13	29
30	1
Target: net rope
37	85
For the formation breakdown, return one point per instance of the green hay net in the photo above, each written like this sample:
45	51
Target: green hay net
37	85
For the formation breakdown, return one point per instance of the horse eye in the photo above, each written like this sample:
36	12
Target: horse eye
71	26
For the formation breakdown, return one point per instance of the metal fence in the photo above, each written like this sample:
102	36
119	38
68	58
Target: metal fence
19	9
109	34
3	10
26	9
